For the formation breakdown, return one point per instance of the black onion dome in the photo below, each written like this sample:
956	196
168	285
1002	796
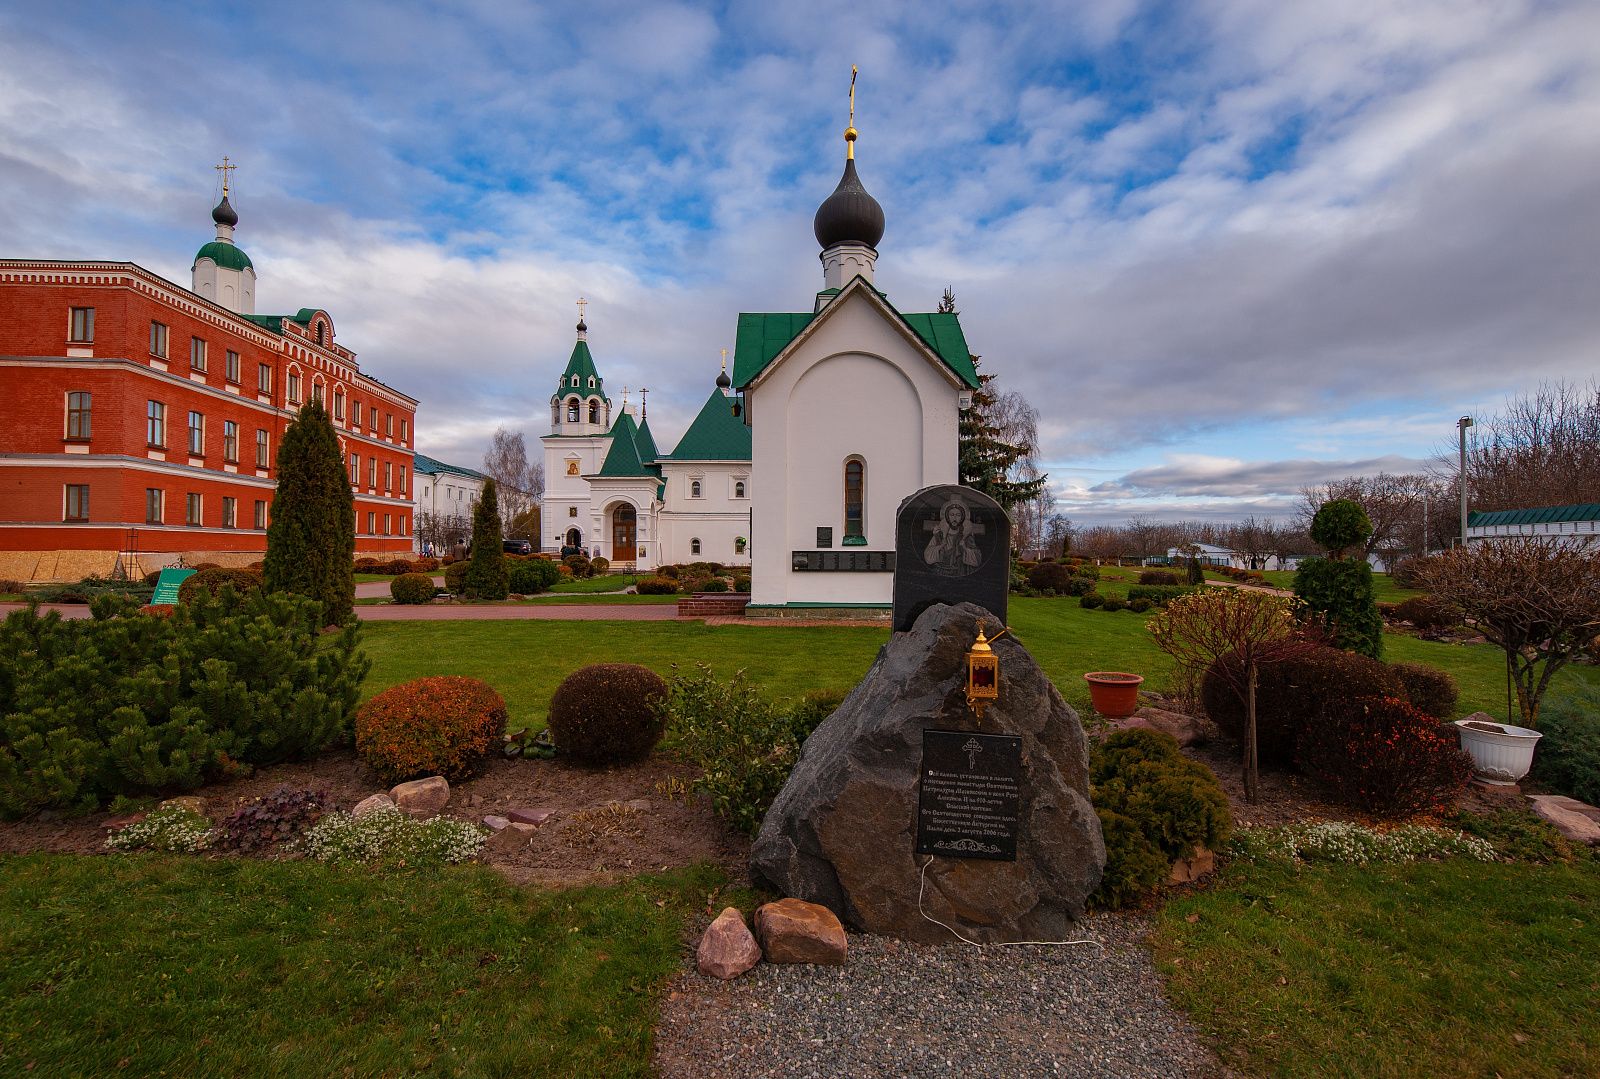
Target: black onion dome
223	214
723	381
583	327
849	215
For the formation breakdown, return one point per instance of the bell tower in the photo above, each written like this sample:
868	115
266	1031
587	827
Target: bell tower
222	271
579	405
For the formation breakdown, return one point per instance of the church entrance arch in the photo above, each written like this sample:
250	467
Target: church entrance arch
574	539
624	534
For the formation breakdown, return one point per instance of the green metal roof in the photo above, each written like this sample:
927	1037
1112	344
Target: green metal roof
428	466
715	435
623	458
1583	511
581	363
762	335
646	442
228	256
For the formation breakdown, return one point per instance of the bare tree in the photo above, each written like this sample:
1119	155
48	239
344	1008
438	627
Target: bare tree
1534	596
1252	538
520	484
1390	500
1058	534
442	532
1542	450
1146	537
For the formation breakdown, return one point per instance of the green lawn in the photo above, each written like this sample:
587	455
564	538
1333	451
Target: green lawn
525	661
145	965
615	582
1451	968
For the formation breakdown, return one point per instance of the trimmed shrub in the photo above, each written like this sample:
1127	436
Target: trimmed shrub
1339	525
669	571
600	566
203	566
1159	594
1112	603
1087	570
744	745
530	576
444	725
127	705
411	588
1432	617
1077	586
1159	576
1338	597
1428	688
608	713
1292	695
486	574
455	576
1140	605
1384	756
1141	785
1050	577
1091	600
150	580
1568	760
424	565
716	584
656	586
741	584
579	565
211	581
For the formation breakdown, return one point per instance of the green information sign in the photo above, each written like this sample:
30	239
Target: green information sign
167	586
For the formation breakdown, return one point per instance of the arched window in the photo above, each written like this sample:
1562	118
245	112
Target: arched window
738	489
574	381
855	482
694	546
572	409
591	382
594	410
322	333
694	492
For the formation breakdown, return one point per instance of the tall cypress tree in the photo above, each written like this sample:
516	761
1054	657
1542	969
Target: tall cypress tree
311	543
486	576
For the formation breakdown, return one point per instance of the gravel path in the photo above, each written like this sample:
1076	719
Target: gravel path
899	1009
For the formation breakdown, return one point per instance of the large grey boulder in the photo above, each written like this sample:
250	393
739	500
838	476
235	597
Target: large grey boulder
842	832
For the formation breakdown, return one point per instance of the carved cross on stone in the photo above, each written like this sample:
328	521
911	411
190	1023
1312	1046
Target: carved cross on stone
972	748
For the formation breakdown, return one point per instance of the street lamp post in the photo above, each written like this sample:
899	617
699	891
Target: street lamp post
1461	475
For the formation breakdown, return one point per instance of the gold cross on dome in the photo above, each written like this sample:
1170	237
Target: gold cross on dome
225	168
724	359
582	303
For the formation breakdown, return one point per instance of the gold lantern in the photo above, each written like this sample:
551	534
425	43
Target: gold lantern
983	674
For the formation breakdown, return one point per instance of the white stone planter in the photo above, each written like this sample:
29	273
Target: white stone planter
1503	754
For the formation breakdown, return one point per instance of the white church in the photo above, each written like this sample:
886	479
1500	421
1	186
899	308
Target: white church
796	465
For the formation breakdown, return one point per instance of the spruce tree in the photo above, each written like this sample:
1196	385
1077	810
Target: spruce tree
986	458
486	576
311	543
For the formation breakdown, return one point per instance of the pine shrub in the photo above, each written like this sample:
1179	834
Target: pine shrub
311	541
444	725
1383	756
1134	866
1112	603
1087	570
1338	597
1428	688
1568	757
1292	694
486	573
608	713
242	581
411	588
1340	524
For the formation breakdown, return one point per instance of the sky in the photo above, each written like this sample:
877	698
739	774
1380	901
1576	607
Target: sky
1226	248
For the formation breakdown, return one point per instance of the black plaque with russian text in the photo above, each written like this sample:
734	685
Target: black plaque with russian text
969	795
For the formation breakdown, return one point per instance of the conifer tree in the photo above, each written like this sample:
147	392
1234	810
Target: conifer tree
990	461
311	543
487	577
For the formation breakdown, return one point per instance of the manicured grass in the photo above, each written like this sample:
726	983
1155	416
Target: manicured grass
1451	968
368	578
184	966
615	582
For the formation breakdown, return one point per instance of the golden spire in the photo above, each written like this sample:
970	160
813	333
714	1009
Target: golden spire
850	132
225	168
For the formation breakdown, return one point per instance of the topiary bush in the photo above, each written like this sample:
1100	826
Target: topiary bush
1050	577
600	566
1077	586
1339	598
1140	605
486	574
1293	693
529	577
579	565
1087	570
443	725
410	588
1091	600
1383	756
1432	617
1428	688
656	586
455	577
211	581
1159	576
1339	525
669	571
1145	789
1568	757
608	713
715	584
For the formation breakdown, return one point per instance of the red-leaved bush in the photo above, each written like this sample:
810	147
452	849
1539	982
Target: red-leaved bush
439	726
1384	756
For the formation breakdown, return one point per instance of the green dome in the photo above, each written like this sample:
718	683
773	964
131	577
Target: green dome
228	256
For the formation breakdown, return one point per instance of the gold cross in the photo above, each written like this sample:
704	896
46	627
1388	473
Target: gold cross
724	359
225	168
852	95
582	303
644	400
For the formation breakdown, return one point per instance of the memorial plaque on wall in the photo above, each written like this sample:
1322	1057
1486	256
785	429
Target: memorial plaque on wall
952	545
969	795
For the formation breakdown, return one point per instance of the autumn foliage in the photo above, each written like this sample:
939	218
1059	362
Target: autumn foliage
1384	756
444	725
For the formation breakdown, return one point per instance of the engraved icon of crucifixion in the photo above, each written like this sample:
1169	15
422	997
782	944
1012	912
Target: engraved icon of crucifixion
972	749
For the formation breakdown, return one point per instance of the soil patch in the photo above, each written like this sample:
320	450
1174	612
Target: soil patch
605	823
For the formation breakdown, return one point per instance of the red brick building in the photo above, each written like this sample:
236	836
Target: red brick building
140	420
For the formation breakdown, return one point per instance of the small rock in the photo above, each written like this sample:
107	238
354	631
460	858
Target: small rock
422	798
475	801
534	817
728	948
367	805
1197	865
794	931
1578	821
1186	729
191	802
495	824
508	840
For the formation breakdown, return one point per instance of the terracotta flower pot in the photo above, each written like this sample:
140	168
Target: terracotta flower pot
1113	693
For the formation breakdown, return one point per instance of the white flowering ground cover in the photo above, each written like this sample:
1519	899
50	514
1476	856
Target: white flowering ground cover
388	836
175	829
1344	843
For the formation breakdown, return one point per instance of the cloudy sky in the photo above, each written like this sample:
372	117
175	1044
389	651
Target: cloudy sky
1226	247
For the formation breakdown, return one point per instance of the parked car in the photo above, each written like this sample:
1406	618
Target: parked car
516	547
